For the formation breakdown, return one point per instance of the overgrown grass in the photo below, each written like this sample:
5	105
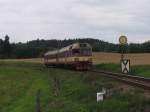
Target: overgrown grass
142	70
139	70
20	81
108	67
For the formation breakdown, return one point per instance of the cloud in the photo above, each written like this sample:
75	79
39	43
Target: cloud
30	19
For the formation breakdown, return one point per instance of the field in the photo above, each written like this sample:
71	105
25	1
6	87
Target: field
34	60
76	91
136	59
100	58
140	63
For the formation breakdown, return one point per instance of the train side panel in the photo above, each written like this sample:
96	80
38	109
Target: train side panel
70	58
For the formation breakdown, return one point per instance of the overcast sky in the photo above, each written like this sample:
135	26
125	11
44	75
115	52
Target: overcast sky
25	20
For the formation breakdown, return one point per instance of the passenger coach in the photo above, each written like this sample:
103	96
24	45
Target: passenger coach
77	56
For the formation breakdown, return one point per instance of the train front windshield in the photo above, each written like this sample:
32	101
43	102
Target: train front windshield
75	51
86	52
82	52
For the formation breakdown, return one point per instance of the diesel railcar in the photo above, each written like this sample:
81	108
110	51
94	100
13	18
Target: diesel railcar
77	56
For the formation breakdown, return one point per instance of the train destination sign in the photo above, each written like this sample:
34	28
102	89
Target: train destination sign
123	40
125	65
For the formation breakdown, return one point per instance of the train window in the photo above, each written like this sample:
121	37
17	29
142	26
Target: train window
70	53
67	53
75	51
89	52
83	45
70	47
85	52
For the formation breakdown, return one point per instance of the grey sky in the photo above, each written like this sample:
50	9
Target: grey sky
26	20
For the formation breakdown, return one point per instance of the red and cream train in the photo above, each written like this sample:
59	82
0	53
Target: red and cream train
77	56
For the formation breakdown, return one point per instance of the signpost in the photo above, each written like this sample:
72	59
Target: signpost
123	40
125	63
100	95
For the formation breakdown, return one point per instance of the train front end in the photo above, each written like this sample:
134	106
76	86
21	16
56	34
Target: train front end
82	54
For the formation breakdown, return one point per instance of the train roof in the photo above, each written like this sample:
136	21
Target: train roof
72	46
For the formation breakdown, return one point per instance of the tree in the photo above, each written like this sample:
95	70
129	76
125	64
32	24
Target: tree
1	48
6	47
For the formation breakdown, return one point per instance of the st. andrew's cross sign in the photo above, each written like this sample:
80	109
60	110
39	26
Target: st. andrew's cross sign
125	65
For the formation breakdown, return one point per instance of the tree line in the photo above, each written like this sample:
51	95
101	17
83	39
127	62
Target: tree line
37	48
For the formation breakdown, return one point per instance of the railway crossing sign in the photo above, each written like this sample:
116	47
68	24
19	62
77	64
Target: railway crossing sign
125	65
123	40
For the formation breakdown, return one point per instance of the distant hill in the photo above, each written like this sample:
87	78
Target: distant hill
36	48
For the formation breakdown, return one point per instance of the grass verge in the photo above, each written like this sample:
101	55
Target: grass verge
19	82
139	70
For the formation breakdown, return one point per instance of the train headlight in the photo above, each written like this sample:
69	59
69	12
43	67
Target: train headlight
76	59
90	59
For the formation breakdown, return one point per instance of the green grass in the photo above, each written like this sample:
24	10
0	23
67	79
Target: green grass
20	81
108	67
142	70
139	70
18	85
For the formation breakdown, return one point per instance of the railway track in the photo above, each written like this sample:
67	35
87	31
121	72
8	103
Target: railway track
128	79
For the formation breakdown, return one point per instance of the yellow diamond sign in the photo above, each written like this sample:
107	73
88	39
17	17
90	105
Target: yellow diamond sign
123	40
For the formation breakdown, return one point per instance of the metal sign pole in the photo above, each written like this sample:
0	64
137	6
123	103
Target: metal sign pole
125	63
122	53
38	105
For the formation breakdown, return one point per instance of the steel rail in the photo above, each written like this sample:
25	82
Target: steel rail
128	79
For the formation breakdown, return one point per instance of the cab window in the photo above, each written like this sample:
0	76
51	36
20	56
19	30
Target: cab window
83	45
75	51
